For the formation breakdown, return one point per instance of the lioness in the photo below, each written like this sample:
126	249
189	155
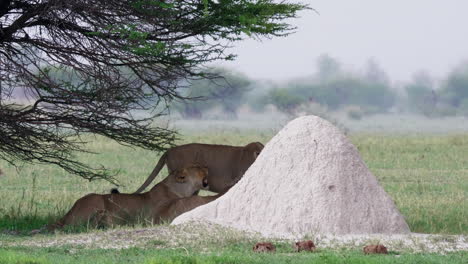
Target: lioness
226	164
117	208
179	206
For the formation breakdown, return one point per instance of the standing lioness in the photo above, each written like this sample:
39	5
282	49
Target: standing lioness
119	208
226	164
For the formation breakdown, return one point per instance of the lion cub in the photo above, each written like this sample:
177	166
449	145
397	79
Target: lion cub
121	208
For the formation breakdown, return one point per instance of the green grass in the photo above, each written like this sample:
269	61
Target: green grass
241	255
426	175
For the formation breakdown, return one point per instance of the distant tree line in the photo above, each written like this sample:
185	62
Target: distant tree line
446	99
227	91
334	88
331	88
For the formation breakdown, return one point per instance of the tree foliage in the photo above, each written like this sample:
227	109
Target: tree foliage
327	67
421	94
335	88
227	90
285	100
114	57
455	89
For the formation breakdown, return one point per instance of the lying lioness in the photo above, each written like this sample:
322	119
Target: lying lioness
118	208
179	206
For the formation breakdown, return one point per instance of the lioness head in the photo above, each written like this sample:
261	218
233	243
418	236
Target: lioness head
251	152
187	181
255	148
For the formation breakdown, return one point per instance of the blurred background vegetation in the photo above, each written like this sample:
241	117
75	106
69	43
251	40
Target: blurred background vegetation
358	94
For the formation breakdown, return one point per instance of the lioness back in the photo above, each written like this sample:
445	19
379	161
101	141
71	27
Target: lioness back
84	210
124	208
222	161
201	153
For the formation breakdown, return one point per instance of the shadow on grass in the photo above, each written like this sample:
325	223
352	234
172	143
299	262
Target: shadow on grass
24	225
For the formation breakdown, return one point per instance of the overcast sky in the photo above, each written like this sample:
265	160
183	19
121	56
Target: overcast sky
403	36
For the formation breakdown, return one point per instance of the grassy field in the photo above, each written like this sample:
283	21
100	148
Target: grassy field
239	253
427	176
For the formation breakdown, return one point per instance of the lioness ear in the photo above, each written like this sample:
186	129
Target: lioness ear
255	154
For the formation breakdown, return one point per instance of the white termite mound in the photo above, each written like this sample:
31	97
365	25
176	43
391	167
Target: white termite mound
309	179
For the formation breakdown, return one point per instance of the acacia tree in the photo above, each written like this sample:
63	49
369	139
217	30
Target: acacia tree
114	57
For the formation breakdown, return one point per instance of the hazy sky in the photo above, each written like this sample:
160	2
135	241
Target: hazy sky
403	36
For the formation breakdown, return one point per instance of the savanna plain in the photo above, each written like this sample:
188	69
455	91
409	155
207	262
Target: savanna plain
425	174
